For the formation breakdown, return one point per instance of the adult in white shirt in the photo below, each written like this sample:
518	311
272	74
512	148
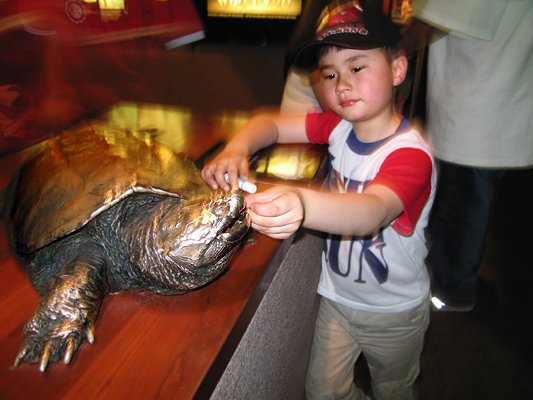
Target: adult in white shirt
480	124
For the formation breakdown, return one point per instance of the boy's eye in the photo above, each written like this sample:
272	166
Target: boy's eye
330	76
357	69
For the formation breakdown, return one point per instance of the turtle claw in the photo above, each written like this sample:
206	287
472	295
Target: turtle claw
69	351
89	333
22	353
45	358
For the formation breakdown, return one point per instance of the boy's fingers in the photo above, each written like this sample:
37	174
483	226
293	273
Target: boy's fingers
244	169
257	199
220	172
269	209
208	177
277	232
233	177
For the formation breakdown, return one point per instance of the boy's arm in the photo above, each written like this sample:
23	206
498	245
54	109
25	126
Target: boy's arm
279	211
261	131
397	195
352	214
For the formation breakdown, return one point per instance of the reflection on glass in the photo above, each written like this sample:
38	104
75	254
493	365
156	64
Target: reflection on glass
288	162
231	121
171	125
283	9
111	10
109	4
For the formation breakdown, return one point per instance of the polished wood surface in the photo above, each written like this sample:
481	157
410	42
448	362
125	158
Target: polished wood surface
147	346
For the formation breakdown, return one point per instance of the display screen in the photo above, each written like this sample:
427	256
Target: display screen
264	9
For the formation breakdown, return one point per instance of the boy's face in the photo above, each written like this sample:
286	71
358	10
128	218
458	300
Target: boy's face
358	84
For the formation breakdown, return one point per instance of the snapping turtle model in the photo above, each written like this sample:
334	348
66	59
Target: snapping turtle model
98	210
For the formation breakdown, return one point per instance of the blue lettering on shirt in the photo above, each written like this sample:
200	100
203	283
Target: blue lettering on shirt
371	249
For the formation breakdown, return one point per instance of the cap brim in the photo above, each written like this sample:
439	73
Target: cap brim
307	57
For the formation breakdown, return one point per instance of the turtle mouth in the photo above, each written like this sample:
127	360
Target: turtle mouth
237	228
203	258
210	231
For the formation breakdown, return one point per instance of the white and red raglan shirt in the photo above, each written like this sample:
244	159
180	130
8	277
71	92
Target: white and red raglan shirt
384	272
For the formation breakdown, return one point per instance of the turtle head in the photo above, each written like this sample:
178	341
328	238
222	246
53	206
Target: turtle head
199	237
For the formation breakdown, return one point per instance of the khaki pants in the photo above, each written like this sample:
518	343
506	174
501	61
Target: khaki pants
391	343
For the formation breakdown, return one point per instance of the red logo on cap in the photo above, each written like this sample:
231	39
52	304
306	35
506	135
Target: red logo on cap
336	14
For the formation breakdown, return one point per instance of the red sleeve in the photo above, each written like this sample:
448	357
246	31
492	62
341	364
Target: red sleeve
319	126
407	172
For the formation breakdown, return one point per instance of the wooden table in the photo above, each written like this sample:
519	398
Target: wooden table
147	346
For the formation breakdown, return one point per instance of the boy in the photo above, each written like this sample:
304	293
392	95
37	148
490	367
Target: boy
374	285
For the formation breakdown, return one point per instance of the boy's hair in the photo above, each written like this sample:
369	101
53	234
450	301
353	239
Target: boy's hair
348	25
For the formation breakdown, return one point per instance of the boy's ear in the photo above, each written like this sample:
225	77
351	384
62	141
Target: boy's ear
399	68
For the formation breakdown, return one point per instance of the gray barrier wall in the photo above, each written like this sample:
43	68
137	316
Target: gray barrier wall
270	361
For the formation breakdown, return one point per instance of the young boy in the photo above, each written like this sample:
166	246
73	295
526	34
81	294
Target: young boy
374	285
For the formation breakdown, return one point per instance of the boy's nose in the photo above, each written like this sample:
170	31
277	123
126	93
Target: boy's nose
342	85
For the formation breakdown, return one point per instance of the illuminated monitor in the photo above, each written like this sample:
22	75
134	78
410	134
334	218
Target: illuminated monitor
256	22
269	9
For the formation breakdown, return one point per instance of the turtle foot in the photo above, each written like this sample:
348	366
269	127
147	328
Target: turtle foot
59	341
65	316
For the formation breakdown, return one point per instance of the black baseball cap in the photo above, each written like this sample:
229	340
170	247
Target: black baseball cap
348	24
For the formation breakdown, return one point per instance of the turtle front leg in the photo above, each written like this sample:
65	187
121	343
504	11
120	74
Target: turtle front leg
65	315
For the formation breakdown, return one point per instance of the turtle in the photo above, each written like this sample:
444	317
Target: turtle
96	210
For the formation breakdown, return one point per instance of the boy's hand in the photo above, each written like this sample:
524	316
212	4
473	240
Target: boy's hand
276	212
235	163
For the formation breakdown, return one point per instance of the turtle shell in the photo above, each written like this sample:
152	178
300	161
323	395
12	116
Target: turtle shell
74	176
